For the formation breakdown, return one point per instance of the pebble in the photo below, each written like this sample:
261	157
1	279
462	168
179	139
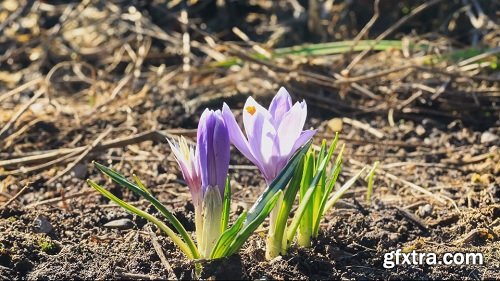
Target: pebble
42	225
80	171
120	224
425	210
487	137
420	130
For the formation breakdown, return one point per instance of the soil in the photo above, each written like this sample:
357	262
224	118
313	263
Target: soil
437	190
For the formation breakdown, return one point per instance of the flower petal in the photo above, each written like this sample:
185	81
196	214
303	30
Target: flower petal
236	135
280	104
261	139
250	110
303	138
290	128
220	151
204	134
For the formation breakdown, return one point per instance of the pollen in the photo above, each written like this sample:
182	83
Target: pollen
251	109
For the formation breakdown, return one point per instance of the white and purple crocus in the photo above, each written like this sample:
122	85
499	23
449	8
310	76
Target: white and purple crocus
272	135
205	169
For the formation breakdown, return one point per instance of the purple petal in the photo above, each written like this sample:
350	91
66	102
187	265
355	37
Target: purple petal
251	109
261	138
280	104
221	151
290	128
189	168
213	148
236	135
204	133
304	137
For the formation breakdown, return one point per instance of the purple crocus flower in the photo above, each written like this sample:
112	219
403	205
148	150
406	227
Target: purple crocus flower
272	135
213	150
208	164
205	170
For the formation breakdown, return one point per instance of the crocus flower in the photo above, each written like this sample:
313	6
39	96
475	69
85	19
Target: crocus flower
189	164
272	135
213	150
205	170
208	164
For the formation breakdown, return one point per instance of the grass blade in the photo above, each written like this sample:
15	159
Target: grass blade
329	187
370	178
305	201
342	190
226	208
122	181
176	239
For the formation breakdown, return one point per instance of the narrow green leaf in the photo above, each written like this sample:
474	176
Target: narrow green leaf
286	206
250	227
122	181
306	186
176	239
278	184
227	205
342	190
370	178
305	201
227	237
140	184
334	174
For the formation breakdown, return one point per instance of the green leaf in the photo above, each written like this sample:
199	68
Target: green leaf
227	205
278	184
335	171
286	206
305	188
176	239
336	196
305	201
122	181
140	184
251	226
370	178
227	237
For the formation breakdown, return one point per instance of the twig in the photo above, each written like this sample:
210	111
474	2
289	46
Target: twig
18	114
161	255
21	88
83	155
364	126
66	153
15	196
60	198
412	218
121	274
390	30
366	28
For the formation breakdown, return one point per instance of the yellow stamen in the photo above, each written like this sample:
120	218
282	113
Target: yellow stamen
251	109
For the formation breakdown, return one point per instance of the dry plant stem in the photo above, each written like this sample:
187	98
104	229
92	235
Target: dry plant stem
366	28
15	196
21	88
161	255
83	155
412	218
121	274
363	126
65	153
18	114
61	198
407	183
390	30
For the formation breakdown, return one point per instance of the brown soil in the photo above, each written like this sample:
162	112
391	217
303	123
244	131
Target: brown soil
437	190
